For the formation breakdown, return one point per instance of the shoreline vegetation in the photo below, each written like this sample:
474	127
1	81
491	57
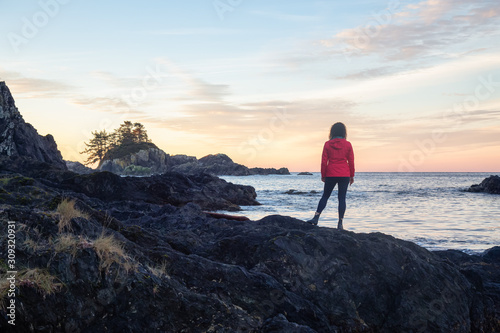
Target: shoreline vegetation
99	252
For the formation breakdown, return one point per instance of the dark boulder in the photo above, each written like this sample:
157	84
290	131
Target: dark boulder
483	272
488	185
18	138
208	191
304	174
182	271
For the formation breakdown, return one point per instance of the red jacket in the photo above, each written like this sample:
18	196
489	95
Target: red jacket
338	159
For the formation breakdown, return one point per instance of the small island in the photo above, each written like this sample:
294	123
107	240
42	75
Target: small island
129	151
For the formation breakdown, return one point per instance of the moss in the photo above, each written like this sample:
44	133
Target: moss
126	150
136	170
16	180
54	203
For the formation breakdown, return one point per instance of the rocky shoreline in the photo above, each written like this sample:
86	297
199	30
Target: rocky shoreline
170	267
102	253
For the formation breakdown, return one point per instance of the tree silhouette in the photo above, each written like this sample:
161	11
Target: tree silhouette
97	147
125	135
104	144
140	134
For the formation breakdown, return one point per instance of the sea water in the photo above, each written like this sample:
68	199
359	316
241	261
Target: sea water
430	209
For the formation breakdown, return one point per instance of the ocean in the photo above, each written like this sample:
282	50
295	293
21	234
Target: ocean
430	209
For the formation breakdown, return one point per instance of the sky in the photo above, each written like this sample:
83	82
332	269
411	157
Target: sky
417	83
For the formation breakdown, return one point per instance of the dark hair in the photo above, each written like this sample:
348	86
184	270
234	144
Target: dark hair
338	129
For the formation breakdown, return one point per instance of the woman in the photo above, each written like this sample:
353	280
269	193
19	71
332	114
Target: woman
337	167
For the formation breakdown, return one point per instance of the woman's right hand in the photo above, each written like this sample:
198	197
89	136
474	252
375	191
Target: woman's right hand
323	179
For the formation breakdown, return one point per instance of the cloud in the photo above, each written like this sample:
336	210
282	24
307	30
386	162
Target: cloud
29	87
371	73
411	37
227	121
196	89
427	28
114	80
113	105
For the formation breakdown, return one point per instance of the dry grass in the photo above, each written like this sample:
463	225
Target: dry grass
110	251
67	211
32	245
40	279
66	243
159	270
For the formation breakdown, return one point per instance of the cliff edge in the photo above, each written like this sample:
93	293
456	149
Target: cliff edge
18	138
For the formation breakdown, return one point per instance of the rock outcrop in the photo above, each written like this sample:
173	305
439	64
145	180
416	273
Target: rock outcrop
136	266
223	165
18	138
488	185
155	161
78	167
145	162
209	192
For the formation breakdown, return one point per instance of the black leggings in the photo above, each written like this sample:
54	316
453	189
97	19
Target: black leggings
330	183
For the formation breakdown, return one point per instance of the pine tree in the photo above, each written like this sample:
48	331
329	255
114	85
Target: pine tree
140	133
124	133
97	147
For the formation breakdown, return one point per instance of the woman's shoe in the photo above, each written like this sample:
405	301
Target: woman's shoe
340	226
314	220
